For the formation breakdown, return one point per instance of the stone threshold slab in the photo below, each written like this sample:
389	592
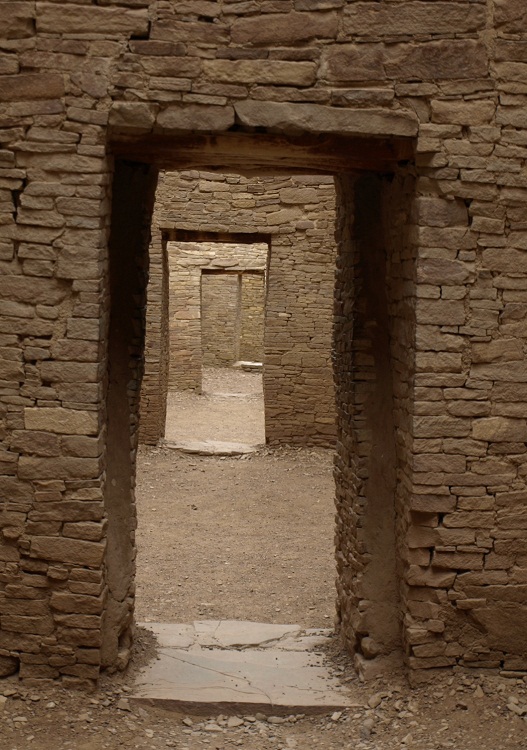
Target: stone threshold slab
215	666
210	447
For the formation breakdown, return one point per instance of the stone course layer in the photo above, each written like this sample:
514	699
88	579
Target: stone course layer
418	107
289	218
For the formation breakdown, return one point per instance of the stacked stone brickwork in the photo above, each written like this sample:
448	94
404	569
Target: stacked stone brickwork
232	315
295	217
419	108
252	308
220	318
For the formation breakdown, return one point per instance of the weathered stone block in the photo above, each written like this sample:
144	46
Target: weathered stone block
276	30
68	19
134	116
61	467
61	421
353	62
418	576
504	350
73	551
315	118
17	19
441	60
195	117
63	601
387	19
31	86
500	429
261	71
463	112
38	443
511	16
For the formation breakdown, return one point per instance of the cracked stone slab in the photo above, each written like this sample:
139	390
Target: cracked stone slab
258	667
211	447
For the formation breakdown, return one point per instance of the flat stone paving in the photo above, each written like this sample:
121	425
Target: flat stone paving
234	666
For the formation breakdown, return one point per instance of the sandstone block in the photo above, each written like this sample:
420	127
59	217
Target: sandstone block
61	421
17	19
8	664
61	467
32	625
511	16
31	86
441	312
92	532
507	372
70	372
505	259
298	195
38	443
462	112
72	511
458	560
196	118
69	19
261	71
504	350
439	213
64	601
31	290
278	29
500	429
433	503
418	576
24	607
438	362
387	19
73	551
348	63
421	536
316	118
441	60
131	116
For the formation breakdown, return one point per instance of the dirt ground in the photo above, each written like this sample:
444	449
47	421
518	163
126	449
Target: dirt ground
230	409
251	538
248	538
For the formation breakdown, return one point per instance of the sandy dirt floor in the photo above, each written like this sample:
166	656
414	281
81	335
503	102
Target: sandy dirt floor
236	538
230	409
251	538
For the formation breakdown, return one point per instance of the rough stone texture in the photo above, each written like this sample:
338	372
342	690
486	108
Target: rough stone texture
294	219
431	480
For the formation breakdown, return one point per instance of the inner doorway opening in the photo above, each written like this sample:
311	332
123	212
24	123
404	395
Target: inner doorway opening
263	261
372	331
216	312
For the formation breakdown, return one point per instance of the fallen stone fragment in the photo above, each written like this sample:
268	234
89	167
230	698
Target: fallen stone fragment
234	721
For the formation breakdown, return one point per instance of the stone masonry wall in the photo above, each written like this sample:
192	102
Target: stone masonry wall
220	319
296	216
252	308
419	104
232	317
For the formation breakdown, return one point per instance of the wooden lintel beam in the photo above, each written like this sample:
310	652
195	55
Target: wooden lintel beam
265	153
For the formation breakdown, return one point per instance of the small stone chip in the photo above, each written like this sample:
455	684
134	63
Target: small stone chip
212	727
234	721
123	704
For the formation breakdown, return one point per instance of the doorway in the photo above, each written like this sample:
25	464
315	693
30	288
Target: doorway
361	312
